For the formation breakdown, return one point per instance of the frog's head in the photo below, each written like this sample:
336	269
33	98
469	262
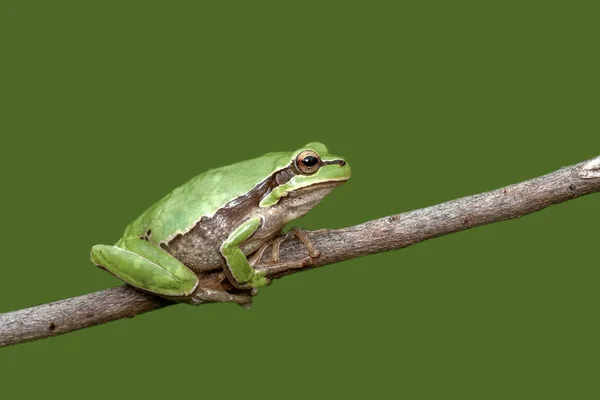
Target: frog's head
311	174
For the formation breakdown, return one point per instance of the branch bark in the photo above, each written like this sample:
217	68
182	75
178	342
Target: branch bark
388	233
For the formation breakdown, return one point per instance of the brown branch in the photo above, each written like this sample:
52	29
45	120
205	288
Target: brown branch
389	233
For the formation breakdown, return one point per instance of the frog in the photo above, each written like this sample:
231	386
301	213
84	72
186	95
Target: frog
223	220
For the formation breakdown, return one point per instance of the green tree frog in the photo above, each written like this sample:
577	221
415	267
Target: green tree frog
220	218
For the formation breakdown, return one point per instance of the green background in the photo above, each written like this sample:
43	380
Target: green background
106	106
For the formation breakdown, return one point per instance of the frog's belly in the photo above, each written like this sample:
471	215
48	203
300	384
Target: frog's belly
198	249
201	256
197	255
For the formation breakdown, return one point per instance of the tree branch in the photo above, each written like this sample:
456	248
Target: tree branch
388	233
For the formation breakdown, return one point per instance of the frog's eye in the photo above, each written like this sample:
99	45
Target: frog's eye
308	162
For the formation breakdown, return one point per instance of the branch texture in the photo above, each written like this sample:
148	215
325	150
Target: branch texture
388	233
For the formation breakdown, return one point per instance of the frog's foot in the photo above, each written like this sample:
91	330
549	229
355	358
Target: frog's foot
204	295
313	252
275	266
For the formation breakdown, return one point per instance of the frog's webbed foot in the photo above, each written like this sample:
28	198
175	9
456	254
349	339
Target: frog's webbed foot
205	295
275	266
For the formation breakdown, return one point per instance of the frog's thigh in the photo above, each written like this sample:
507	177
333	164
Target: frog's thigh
237	263
147	267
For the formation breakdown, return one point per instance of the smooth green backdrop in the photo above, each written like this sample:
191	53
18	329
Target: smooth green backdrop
106	106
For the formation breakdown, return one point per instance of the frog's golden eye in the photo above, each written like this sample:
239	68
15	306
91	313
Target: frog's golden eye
308	162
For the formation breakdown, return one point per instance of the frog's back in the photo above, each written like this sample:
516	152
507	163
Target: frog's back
203	195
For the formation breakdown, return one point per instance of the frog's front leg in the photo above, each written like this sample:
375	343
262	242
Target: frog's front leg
239	271
147	267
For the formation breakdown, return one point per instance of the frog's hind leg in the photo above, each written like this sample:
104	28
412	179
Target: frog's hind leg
145	266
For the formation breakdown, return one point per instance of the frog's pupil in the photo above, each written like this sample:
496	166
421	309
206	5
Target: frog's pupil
309	161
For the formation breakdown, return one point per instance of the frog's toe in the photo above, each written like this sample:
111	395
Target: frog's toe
259	279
